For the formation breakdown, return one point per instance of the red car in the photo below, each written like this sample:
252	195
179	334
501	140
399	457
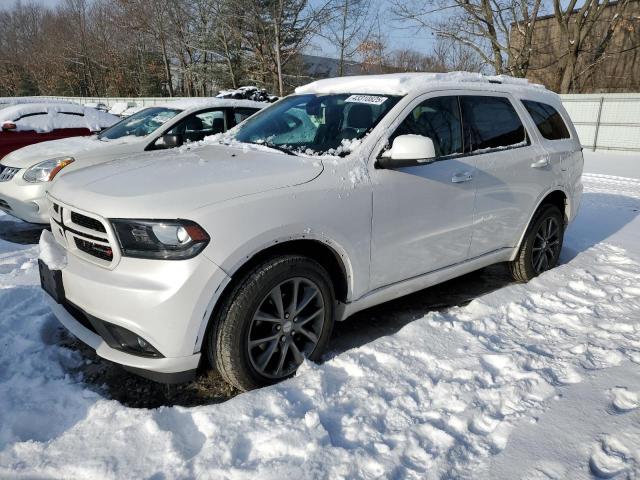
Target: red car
28	123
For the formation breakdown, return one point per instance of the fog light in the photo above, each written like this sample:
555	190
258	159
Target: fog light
127	341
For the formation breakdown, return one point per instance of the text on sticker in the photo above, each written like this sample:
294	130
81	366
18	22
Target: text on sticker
370	99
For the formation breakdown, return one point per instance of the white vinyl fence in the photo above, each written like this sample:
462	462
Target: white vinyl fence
139	101
603	121
606	121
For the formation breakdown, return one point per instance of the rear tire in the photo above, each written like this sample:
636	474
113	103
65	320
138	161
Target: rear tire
279	313
541	246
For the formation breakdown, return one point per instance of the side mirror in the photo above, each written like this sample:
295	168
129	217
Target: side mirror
168	141
408	151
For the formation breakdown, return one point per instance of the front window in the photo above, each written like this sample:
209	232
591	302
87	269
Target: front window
140	124
199	125
316	124
439	119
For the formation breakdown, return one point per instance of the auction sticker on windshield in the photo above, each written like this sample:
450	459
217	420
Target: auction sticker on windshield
370	99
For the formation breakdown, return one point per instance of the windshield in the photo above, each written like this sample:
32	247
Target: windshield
140	124
316	124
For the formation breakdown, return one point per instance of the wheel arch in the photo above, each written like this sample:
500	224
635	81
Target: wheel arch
329	256
555	196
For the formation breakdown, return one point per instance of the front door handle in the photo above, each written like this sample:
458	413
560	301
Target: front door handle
542	163
462	177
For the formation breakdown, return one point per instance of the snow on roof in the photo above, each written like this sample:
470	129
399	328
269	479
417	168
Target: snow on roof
45	117
17	100
192	103
403	83
118	107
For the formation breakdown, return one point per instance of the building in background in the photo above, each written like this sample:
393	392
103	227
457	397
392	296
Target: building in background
611	70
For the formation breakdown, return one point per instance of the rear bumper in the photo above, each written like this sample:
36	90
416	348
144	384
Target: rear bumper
164	370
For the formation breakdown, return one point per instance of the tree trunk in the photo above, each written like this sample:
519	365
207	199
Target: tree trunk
345	12
498	65
277	21
227	55
568	72
167	68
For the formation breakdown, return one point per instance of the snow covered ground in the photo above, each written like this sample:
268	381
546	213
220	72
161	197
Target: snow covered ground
535	381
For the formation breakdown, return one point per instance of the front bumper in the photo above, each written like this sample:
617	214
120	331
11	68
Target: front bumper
163	370
24	200
164	302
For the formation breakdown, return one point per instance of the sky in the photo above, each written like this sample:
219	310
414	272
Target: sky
398	34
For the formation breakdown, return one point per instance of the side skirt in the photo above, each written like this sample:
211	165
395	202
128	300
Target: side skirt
411	285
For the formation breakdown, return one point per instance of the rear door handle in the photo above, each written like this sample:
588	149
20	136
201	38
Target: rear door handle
542	163
462	177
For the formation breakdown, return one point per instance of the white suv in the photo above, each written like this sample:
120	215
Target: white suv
241	254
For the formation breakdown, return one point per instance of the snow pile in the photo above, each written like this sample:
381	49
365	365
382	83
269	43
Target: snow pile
403	83
45	117
118	108
460	393
51	253
249	92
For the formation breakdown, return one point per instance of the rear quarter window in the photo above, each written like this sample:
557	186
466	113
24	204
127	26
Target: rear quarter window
547	119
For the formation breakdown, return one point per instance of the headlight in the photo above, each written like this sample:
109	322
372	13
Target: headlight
47	170
162	239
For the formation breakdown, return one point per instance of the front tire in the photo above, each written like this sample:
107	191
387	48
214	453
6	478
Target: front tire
278	314
540	249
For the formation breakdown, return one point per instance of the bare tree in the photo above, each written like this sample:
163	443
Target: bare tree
373	51
277	31
350	25
482	25
154	19
577	31
447	56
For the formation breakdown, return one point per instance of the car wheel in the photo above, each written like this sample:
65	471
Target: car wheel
541	246
279	314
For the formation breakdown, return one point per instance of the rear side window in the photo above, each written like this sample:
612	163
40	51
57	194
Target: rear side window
549	122
491	123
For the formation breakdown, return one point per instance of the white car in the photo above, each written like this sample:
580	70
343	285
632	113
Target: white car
27	173
351	192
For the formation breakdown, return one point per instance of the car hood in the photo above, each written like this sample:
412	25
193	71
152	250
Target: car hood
81	148
172	183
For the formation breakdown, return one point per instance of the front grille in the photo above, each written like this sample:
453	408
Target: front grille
82	234
7	173
86	222
4	205
94	249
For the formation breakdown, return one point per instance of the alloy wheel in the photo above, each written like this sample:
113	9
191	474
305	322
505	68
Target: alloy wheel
546	245
286	327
